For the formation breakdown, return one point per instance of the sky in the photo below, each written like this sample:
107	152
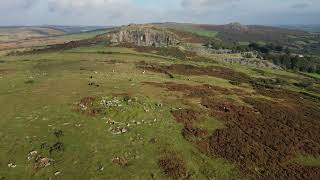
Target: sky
120	12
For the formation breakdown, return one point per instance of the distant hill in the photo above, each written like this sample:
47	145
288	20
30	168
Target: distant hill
77	29
309	28
236	33
17	33
9	34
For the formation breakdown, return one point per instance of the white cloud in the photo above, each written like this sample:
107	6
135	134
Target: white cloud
83	5
14	4
106	12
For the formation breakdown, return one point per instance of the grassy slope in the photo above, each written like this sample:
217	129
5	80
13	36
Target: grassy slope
34	111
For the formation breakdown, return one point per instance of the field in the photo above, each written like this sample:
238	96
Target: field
105	112
9	34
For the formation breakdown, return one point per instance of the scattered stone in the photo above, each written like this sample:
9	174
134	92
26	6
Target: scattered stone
111	102
122	161
100	168
124	130
146	109
57	173
12	165
118	130
32	155
43	162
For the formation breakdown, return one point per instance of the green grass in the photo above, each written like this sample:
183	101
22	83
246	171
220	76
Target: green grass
42	92
34	111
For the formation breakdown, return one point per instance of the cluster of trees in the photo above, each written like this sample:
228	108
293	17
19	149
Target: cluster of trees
282	56
278	54
305	64
267	48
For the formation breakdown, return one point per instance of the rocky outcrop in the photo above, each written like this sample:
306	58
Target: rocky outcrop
144	35
237	26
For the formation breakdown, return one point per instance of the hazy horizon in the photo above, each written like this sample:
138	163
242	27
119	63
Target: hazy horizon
120	12
107	25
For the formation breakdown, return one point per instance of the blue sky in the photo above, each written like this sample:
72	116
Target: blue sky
117	12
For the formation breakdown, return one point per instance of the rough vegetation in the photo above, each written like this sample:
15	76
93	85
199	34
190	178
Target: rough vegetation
93	109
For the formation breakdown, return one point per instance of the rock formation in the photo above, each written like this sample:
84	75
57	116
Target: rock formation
144	35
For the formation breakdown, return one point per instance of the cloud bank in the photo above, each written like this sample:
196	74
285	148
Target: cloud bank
115	12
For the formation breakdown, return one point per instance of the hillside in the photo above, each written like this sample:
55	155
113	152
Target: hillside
36	42
235	33
9	34
156	102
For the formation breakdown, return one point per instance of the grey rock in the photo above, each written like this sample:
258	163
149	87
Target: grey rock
144	35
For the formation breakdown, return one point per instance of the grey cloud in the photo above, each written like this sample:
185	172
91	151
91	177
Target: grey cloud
300	5
204	3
